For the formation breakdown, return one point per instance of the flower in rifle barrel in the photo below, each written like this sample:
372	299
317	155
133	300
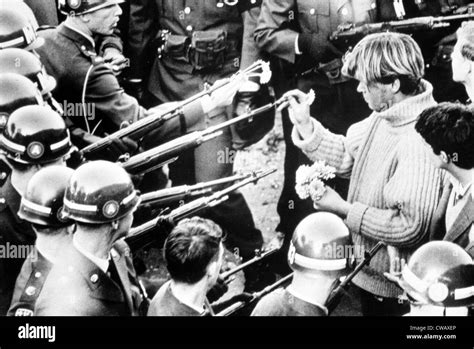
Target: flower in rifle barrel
260	70
310	180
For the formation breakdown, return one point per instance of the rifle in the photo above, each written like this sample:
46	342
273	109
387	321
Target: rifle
141	127
347	35
254	297
144	234
338	292
259	256
168	196
156	157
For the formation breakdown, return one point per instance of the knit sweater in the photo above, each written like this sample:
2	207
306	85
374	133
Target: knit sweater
394	188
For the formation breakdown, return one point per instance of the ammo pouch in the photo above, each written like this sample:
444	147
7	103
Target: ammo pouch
208	49
176	46
332	70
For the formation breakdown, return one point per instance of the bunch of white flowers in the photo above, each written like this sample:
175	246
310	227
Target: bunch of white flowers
310	180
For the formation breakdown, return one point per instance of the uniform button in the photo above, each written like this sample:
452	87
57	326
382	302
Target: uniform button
114	254
253	1
94	278
187	10
3	175
220	4
189	28
30	290
2	200
344	11
374	5
312	11
37	274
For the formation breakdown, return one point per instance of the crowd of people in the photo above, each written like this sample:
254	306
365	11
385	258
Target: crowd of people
392	117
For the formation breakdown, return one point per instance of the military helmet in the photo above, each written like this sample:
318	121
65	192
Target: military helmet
16	91
440	273
80	7
35	135
17	29
320	242
42	202
15	60
100	192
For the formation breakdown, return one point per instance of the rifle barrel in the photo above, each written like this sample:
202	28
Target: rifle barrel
336	295
255	296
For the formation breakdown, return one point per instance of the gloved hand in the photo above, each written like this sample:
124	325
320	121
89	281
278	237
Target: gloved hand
115	60
217	291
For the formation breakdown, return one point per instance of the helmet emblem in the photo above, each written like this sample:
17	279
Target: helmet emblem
74	4
438	292
291	253
35	150
110	209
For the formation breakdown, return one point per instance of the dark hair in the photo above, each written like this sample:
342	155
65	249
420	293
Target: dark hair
192	245
449	127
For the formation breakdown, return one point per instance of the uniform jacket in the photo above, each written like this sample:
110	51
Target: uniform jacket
29	284
174	78
282	303
81	75
281	21
14	234
459	232
78	287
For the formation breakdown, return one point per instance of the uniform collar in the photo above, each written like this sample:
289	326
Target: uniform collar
103	264
296	294
77	35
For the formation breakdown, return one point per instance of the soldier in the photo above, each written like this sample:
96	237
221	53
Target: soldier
319	255
194	255
34	137
182	46
41	206
448	130
95	275
87	86
295	33
438	280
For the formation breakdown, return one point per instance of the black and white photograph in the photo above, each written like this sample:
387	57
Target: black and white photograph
250	168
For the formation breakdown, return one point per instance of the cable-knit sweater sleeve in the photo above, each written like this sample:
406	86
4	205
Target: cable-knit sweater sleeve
336	150
410	198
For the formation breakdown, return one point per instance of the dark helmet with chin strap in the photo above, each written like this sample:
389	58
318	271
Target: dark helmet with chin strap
27	64
42	202
100	192
439	273
80	7
35	135
17	28
16	91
